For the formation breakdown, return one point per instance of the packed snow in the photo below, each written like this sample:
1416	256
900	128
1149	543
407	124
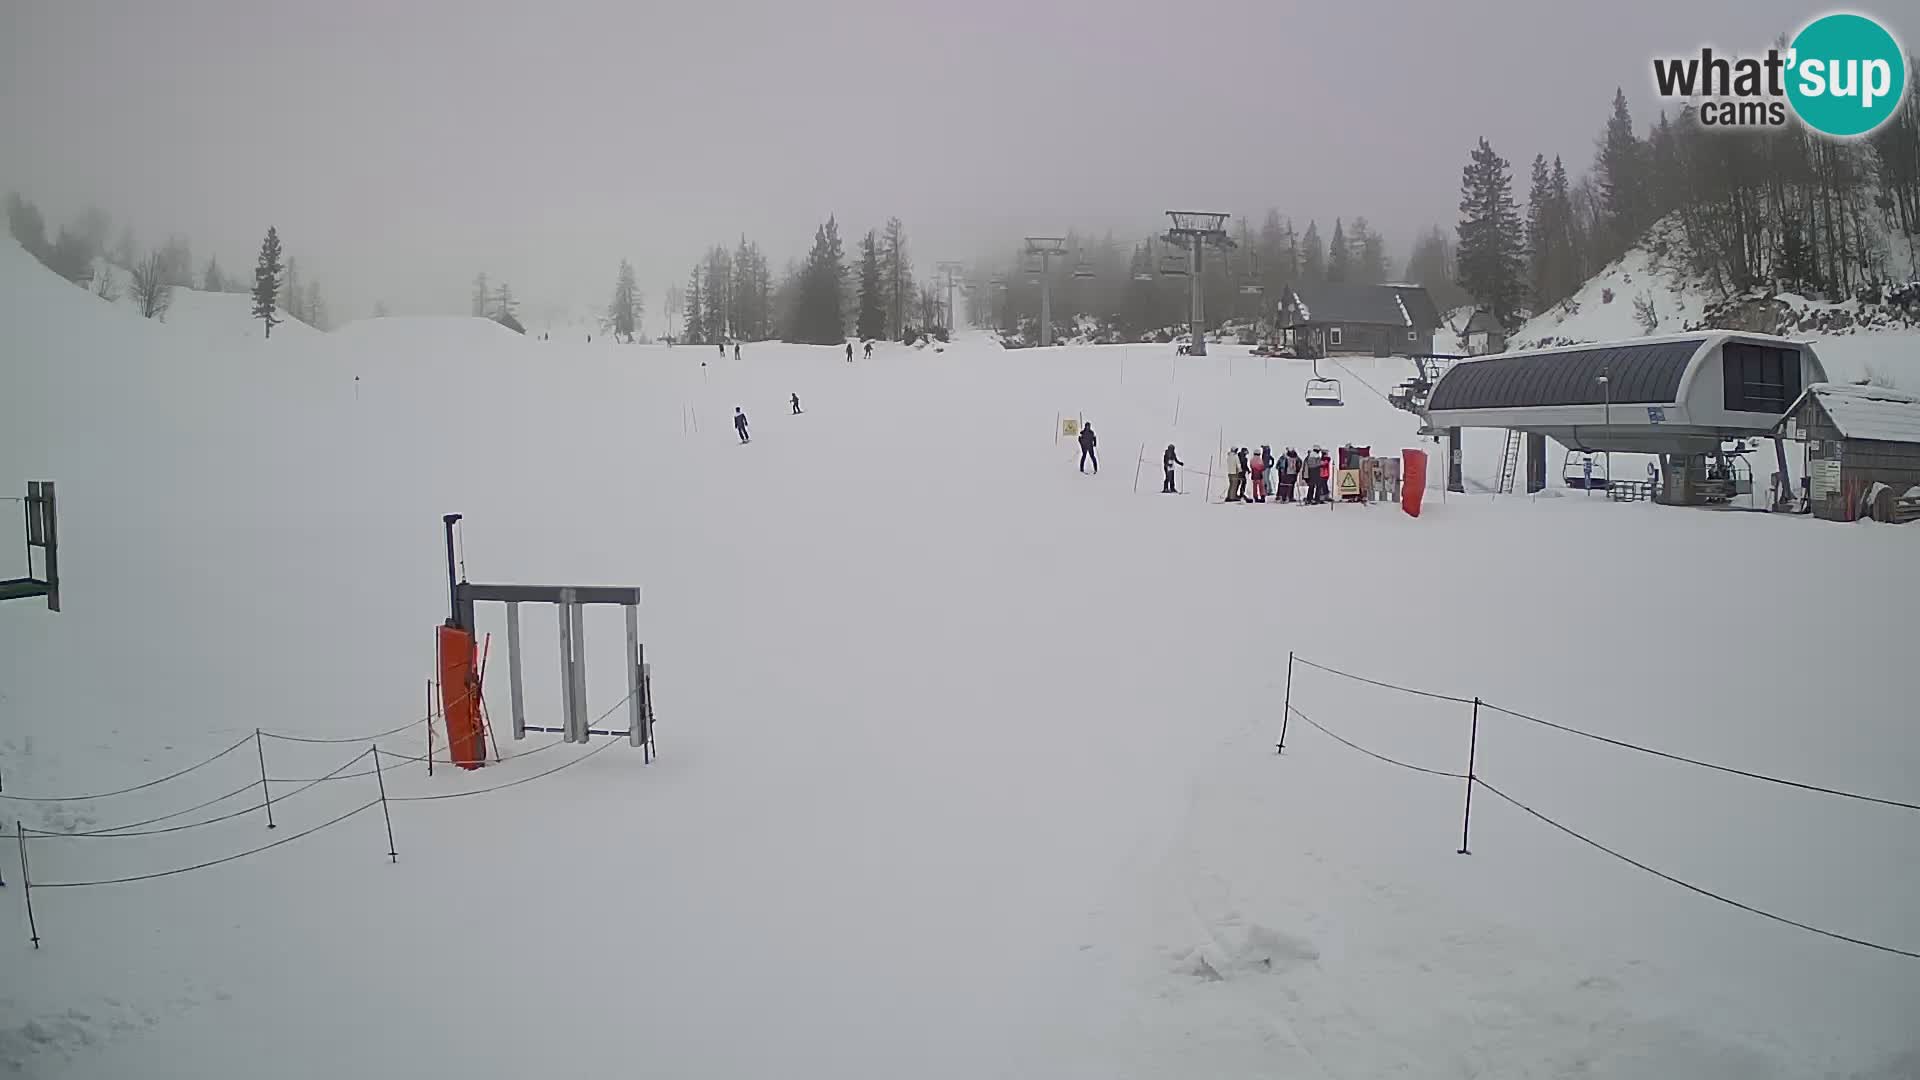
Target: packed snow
967	759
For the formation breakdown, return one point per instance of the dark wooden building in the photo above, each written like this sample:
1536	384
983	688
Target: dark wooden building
1862	450
1365	320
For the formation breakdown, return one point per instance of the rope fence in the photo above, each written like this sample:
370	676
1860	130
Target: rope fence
22	834
256	734
1474	780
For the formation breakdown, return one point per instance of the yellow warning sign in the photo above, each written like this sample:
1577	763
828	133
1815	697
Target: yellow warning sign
1069	426
1349	483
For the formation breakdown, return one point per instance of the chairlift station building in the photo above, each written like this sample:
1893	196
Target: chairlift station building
1682	396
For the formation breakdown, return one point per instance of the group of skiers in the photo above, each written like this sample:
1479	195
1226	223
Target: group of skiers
1251	474
869	353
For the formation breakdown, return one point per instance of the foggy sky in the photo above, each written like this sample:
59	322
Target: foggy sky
402	147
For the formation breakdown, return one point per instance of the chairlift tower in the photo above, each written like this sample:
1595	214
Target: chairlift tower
1195	231
1046	247
950	272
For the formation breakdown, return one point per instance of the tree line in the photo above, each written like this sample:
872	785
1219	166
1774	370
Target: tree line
822	299
80	252
1772	209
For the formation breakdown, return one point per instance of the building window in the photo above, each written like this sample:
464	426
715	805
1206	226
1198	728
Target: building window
1412	336
1333	335
1759	378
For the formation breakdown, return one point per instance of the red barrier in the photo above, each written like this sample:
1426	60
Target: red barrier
460	698
1413	480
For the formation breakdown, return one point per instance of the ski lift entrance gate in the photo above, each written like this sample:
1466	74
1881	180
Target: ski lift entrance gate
570	601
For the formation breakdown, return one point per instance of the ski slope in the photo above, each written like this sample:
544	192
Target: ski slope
967	759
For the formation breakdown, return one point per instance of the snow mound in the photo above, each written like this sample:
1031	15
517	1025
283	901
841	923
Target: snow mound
438	333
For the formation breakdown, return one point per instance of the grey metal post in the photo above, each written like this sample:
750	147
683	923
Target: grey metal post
1197	331
580	723
1286	707
1046	301
1473	753
566	666
513	671
51	508
634	727
1536	462
1454	481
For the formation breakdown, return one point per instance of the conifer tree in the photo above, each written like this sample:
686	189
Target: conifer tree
872	323
1490	263
266	281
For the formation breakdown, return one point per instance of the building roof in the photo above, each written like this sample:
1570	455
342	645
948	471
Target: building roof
1483	322
1642	372
1391	305
1867	412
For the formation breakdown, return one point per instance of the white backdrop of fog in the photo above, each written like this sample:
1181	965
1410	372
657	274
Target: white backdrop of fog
402	147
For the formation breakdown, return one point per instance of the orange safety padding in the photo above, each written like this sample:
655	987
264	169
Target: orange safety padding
1413	480
460	698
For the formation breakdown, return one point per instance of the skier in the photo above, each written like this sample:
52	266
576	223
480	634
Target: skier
736	350
869	353
1311	465
722	346
796	404
850	351
1257	466
1167	461
1236	476
740	424
1326	476
1087	443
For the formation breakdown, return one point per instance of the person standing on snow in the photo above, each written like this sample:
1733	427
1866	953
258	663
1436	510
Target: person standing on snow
1257	467
869	355
740	424
722	346
1311	466
850	351
1167	461
1087	443
736	350
1236	476
796	404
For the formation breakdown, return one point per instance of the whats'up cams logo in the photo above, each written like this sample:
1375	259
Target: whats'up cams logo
1843	75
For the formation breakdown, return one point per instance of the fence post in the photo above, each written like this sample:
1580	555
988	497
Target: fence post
26	880
265	793
1473	750
393	853
429	727
1286	707
1139	461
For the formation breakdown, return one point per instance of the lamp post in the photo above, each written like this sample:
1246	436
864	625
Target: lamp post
1606	390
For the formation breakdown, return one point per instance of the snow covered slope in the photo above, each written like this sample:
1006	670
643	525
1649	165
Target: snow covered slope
967	759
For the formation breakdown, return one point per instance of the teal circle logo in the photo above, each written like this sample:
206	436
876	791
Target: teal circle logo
1847	75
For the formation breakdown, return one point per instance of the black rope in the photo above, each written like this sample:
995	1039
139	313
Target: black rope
1692	887
1704	764
202	866
114	835
1372	754
1383	685
508	784
136	787
513	783
384	752
241	790
351	739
